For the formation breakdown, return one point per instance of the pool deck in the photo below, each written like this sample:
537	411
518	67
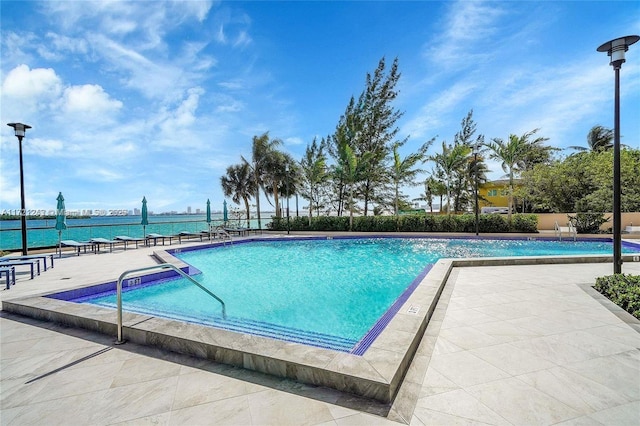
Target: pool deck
520	344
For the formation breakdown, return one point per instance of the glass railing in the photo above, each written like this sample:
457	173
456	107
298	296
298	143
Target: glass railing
48	236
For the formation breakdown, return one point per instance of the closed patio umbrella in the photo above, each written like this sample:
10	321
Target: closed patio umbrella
61	220
145	218
225	212
209	217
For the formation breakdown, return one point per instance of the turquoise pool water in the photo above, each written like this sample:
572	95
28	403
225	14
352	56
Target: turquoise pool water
330	292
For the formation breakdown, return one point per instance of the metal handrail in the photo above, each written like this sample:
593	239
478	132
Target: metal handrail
221	230
161	266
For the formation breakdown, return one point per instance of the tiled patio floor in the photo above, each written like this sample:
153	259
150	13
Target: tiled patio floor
511	345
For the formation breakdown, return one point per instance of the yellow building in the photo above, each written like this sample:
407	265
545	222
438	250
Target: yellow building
495	193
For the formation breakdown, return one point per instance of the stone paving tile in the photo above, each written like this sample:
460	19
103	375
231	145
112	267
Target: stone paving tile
521	403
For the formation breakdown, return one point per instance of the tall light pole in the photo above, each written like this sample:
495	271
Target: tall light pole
475	177
287	172
616	49
20	130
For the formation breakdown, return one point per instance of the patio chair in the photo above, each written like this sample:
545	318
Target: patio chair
32	263
104	241
186	234
126	239
44	258
76	244
11	275
156	237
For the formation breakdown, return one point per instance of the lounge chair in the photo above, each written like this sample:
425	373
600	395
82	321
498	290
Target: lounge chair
126	239
239	231
10	271
30	257
156	237
98	241
186	234
76	244
33	263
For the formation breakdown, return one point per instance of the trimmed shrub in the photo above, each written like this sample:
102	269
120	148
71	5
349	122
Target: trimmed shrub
524	223
490	223
487	223
623	290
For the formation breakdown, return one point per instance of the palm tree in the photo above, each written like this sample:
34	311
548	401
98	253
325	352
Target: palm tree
276	172
239	184
351	170
450	162
261	153
599	139
512	154
403	171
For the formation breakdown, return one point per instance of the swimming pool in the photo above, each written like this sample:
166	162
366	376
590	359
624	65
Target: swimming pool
332	293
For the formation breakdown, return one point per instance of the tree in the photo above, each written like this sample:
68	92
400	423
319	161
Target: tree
599	138
513	155
464	182
377	131
262	151
313	173
449	163
239	184
403	171
581	182
351	170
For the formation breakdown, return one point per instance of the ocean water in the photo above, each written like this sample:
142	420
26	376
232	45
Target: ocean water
42	232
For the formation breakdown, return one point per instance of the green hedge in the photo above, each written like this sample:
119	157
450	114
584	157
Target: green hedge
623	290
487	223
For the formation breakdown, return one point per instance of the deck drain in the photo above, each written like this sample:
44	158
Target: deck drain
65	278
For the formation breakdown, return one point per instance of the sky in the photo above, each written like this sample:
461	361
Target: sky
157	99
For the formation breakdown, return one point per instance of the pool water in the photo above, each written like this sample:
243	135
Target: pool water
325	292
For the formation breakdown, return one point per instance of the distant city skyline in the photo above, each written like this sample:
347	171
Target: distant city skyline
127	100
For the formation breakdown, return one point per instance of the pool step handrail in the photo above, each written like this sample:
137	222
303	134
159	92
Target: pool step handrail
569	229
225	235
148	268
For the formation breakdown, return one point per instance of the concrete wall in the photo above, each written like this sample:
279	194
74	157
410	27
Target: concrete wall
546	221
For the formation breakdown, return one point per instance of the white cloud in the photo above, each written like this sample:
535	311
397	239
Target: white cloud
89	100
294	140
242	40
431	115
467	25
31	86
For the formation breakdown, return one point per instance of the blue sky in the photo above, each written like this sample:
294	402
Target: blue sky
156	99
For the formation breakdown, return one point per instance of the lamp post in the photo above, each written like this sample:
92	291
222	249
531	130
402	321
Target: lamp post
616	49
20	130
475	178
287	172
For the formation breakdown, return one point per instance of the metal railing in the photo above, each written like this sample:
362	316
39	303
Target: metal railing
148	268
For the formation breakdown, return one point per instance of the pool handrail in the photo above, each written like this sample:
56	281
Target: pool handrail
160	266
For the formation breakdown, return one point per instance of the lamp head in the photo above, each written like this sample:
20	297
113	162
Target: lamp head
19	128
616	48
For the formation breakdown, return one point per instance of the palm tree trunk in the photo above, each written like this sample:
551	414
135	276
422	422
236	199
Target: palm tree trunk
351	208
257	198
510	195
246	206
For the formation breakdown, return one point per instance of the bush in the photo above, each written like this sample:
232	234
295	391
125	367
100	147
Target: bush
623	290
493	223
588	223
524	223
487	223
